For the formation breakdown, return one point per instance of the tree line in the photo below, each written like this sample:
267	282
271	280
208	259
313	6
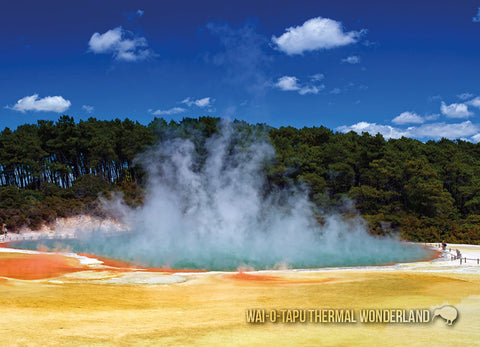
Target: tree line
424	191
64	151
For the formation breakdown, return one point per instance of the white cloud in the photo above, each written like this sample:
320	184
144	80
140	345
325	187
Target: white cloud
316	33
433	116
476	19
287	83
204	102
48	104
449	131
310	89
464	96
433	130
87	108
173	110
335	91
455	110
408	117
317	77
140	13
372	128
354	59
121	44
476	138
290	83
474	102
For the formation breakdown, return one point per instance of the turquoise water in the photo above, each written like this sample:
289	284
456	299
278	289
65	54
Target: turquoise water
126	247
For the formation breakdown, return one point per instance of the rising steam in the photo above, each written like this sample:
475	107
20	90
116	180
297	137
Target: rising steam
207	207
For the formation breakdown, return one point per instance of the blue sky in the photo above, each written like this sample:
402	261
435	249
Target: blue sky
401	68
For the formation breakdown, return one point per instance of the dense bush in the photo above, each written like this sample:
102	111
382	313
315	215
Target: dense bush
424	191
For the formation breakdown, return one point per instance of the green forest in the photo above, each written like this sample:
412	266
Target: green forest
424	192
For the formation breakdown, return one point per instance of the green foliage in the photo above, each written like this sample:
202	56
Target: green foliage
428	191
425	191
89	186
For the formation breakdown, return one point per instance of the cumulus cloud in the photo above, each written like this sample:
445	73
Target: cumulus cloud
354	59
139	13
48	104
287	83
474	102
476	138
455	110
87	108
476	19
290	83
465	96
316	33
173	110
408	117
123	45
432	130
372	128
204	102
449	131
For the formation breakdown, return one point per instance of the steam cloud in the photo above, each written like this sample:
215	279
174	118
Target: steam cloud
207	208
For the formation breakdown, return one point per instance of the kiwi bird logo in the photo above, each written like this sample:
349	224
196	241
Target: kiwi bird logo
447	312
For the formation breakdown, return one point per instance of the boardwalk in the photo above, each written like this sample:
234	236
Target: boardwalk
457	255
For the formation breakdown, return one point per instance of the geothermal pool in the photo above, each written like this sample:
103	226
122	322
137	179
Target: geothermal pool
207	257
209	206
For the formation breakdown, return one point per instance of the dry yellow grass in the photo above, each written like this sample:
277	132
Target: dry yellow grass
209	309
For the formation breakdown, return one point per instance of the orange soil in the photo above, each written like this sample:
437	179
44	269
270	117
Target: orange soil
435	254
242	276
249	277
37	266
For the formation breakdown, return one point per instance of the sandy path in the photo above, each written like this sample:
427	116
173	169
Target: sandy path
100	306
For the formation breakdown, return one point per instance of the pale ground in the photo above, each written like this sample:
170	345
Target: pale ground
102	306
67	228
